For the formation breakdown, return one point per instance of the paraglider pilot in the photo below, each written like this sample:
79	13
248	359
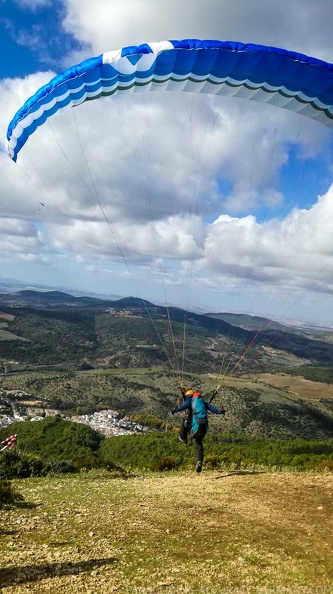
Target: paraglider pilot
195	421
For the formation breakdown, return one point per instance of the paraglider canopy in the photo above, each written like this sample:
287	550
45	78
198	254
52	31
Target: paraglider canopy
272	75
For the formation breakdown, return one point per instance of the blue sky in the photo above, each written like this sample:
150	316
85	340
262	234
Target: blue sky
32	40
157	196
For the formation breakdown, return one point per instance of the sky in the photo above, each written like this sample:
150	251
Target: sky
208	203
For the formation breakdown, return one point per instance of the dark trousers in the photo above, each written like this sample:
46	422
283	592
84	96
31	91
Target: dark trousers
198	437
199	448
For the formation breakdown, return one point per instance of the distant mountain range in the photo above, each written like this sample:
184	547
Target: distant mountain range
50	315
248	322
33	298
12	285
251	322
78	298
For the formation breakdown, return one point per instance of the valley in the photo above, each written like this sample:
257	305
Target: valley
83	355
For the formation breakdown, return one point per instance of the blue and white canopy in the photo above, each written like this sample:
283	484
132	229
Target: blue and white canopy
271	75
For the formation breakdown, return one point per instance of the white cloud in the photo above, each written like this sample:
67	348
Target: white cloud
295	252
17	228
301	25
174	238
149	157
185	188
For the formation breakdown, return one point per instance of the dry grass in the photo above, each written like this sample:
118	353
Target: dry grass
300	386
5	335
295	387
176	533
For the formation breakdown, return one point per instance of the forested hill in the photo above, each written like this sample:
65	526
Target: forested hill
249	322
54	327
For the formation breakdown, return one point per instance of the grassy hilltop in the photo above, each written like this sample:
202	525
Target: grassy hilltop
173	532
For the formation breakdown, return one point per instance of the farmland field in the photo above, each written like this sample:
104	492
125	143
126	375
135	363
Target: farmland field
298	385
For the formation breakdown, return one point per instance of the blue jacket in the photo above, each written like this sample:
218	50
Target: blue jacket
188	404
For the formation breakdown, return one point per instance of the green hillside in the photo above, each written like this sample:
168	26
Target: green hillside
71	336
45	446
132	356
253	409
129	333
249	322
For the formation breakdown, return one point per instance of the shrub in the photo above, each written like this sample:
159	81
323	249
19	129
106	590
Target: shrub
213	461
166	463
59	466
325	466
16	465
8	494
29	465
86	462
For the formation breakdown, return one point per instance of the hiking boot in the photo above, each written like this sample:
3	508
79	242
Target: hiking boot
199	467
182	440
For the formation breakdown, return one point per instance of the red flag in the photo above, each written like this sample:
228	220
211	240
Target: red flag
9	442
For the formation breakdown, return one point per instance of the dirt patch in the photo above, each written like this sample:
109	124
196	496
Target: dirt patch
7	316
